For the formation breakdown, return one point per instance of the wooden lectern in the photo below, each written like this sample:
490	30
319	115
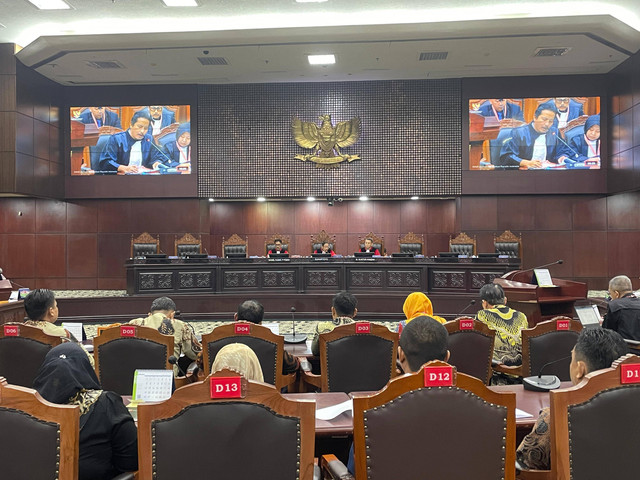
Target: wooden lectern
5	288
540	303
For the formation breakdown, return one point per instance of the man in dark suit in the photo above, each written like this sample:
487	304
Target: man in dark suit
277	248
501	109
368	247
100	117
567	110
160	117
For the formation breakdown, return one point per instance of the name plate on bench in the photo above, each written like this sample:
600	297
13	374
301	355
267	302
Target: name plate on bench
466	324
630	373
127	331
227	387
363	327
563	324
11	330
439	376
242	329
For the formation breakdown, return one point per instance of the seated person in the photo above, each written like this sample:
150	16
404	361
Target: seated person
531	144
161	317
253	311
586	146
100	117
180	150
623	311
567	110
325	249
368	247
127	151
507	322
108	434
277	249
160	117
422	341
596	348
239	358
343	311
41	307
417	304
500	108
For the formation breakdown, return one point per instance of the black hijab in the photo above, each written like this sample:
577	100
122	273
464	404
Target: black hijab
65	371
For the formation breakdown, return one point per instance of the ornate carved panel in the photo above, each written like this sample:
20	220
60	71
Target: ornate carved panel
278	278
448	280
478	279
235	279
364	278
404	279
322	278
195	280
156	281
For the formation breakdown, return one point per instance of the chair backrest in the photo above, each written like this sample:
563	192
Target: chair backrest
34	428
411	243
461	431
187	244
378	242
234	245
230	436
269	243
268	347
496	145
320	238
144	244
599	411
353	360
471	348
119	351
463	244
549	341
574	127
95	151
508	243
22	355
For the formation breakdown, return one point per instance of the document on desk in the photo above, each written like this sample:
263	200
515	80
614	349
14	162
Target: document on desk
329	413
522	414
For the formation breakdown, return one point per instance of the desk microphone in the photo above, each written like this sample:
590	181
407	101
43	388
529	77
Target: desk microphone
472	302
567	145
174	361
294	338
161	165
543	383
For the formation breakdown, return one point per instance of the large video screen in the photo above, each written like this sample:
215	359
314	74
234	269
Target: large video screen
131	140
561	133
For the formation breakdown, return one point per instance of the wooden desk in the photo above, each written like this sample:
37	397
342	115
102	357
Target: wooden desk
12	312
341	425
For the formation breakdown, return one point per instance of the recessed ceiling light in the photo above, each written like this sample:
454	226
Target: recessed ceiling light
322	59
364	198
311	1
51	4
415	197
180	3
311	199
211	199
261	199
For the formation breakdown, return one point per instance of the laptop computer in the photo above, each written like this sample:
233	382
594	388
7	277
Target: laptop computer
589	315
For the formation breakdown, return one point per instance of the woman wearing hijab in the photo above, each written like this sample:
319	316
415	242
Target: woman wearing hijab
418	304
108	435
179	151
586	146
240	358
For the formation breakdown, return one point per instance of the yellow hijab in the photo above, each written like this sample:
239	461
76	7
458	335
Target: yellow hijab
240	358
417	304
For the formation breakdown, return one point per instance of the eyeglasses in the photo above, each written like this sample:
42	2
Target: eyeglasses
155	108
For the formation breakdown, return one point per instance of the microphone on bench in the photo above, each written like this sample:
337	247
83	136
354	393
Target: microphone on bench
174	361
543	383
294	338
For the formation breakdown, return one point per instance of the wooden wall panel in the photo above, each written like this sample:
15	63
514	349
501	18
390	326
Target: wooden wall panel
307	218
255	219
280	218
515	213
82	217
553	212
624	255
479	213
18	256
413	216
18	215
82	255
51	216
8	132
335	220
24	173
114	216
114	249
590	214
589	253
51	255
442	216
622	211
360	217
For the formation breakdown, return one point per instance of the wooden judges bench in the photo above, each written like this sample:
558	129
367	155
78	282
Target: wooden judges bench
306	275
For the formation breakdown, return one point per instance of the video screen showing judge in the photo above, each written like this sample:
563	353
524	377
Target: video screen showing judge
128	140
557	133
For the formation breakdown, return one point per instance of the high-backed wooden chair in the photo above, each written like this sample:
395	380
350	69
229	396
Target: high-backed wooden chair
21	355
573	127
144	244
409	430
463	244
269	242
119	351
411	243
319	239
601	410
268	347
471	346
187	244
260	435
234	245
508	243
544	343
39	439
352	361
378	242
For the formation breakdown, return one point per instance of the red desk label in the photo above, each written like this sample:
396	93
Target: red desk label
226	387
466	324
127	331
363	327
630	373
242	329
563	324
11	331
438	376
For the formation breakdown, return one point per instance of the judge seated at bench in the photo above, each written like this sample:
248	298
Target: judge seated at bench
100	117
325	249
277	249
500	108
369	248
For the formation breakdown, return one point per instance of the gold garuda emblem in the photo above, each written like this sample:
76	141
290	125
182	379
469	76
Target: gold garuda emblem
326	140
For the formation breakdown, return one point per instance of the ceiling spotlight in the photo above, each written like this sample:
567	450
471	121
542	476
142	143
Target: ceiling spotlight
261	199
211	199
322	59
363	198
311	199
415	197
180	3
